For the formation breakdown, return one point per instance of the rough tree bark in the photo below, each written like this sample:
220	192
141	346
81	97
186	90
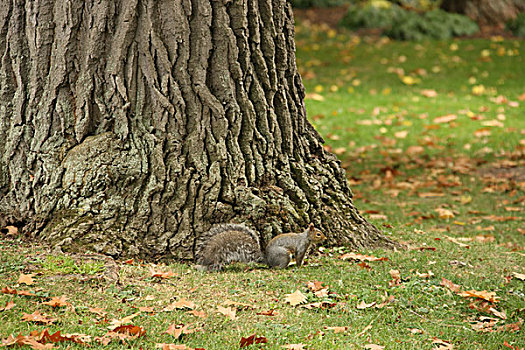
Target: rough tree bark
129	127
486	11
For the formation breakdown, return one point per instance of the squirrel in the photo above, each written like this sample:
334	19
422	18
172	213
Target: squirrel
227	243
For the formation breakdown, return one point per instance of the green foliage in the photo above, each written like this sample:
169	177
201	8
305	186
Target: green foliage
517	25
401	24
436	24
420	5
372	15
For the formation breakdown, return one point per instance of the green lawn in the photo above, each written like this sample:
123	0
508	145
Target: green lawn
432	137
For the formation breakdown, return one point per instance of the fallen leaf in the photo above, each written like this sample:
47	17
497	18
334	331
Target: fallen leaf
456	288
165	346
373	347
337	329
252	339
228	312
117	323
161	274
37	317
8	306
295	298
57	301
131	330
361	257
454	240
520	276
445	119
294	346
98	310
26	279
176	330
444	213
429	93
362	305
488	296
180	304
197	313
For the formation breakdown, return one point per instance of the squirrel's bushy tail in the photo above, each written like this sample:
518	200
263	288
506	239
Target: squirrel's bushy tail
227	243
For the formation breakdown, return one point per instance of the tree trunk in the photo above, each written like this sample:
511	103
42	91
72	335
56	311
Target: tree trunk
486	11
131	126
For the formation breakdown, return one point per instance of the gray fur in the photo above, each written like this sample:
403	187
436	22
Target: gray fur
227	243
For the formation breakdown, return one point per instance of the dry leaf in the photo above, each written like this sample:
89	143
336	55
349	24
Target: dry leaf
228	312
295	298
361	257
196	313
176	330
337	329
161	274
252	339
130	330
26	279
444	213
117	323
315	286
445	119
362	305
365	329
519	276
98	310
294	346
8	306
57	301
165	346
488	296
373	347
38	318
180	304
429	93
454	240
456	288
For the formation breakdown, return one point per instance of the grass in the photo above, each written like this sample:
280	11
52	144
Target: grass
456	200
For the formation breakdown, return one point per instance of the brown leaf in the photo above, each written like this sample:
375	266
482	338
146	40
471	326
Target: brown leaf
11	230
161	274
8	306
196	313
373	347
131	330
488	296
252	339
315	286
337	329
270	312
57	301
180	304
38	318
362	305
117	323
176	330
98	310
361	257
445	119
22	340
295	298
456	288
26	279
294	346
228	312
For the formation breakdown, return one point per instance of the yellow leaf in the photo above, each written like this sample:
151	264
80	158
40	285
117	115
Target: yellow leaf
408	80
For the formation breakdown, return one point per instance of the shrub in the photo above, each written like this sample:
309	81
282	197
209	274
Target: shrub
517	25
401	24
436	24
372	15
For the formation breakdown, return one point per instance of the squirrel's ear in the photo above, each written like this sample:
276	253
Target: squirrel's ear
311	226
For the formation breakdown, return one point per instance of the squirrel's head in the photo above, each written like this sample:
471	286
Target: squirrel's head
315	234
